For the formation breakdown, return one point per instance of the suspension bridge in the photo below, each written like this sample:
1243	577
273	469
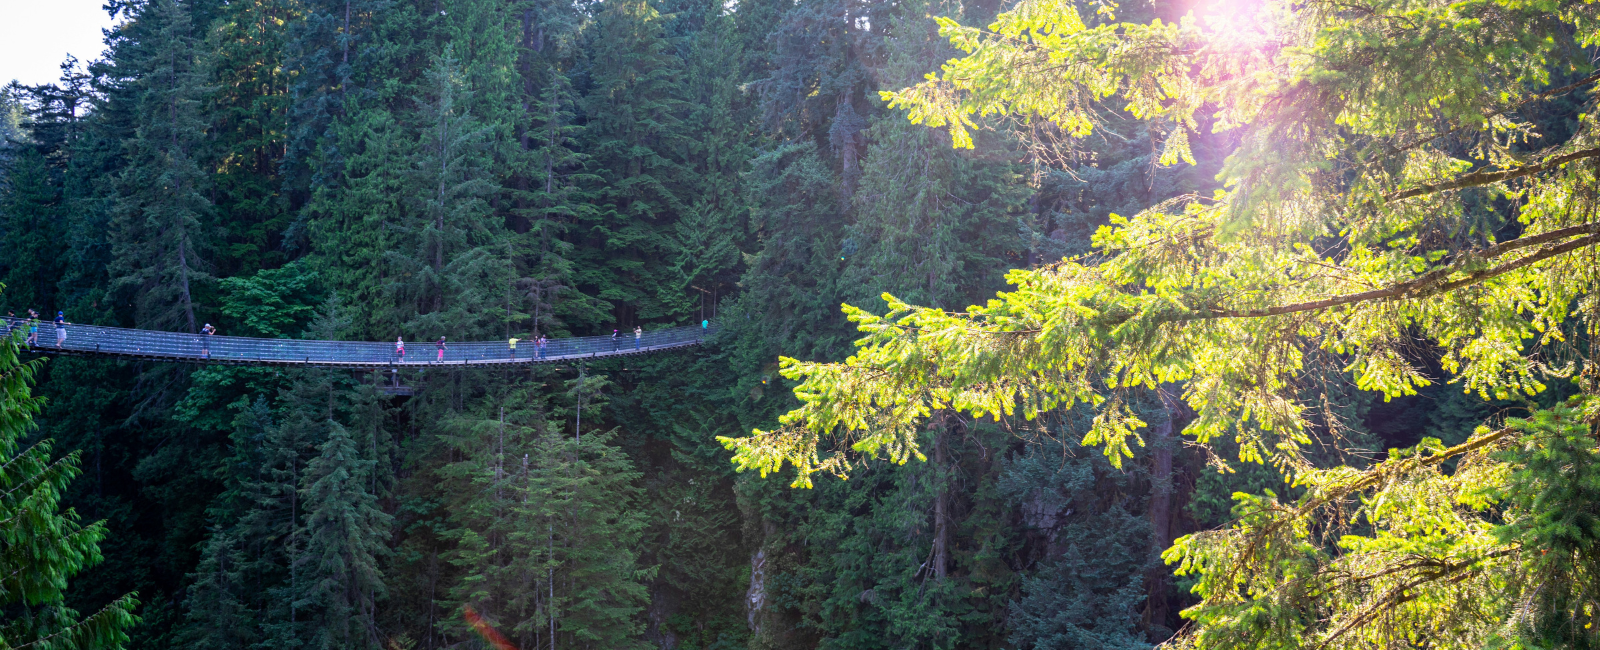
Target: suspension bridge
124	343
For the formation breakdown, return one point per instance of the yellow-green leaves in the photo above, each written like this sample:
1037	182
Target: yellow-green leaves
1111	429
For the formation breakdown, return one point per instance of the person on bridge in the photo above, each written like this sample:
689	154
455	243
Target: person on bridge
440	345
33	329
399	348
205	340
613	340
637	332
511	344
61	329
538	345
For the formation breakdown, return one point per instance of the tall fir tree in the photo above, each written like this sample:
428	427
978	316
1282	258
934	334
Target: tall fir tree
715	220
448	271
162	214
345	537
30	212
636	141
247	111
42	544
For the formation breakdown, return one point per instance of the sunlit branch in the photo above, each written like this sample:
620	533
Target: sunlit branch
1431	283
1484	178
1376	475
1553	92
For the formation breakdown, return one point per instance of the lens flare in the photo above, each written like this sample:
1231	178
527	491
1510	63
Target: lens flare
496	640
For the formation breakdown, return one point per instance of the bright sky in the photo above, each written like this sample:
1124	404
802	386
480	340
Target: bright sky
36	35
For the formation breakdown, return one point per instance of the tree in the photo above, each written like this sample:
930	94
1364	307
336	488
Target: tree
548	533
449	232
636	139
29	207
1358	219
247	110
345	535
162	210
716	219
41	545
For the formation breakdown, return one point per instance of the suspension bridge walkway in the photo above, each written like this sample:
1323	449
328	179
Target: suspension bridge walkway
117	342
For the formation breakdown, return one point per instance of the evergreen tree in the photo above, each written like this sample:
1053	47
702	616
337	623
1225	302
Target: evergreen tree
41	544
549	530
30	209
345	535
247	114
218	614
319	52
715	220
450	270
1089	545
356	226
162	213
550	204
636	141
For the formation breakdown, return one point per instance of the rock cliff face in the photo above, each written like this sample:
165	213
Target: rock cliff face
756	596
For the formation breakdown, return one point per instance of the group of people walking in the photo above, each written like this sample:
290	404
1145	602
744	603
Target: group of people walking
539	345
441	345
32	323
638	333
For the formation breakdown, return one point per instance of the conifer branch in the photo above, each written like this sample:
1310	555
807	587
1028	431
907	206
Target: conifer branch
1431	283
1476	179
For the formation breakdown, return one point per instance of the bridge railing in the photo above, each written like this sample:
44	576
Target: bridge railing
240	349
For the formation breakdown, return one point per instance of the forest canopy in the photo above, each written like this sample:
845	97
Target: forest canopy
1315	235
1392	208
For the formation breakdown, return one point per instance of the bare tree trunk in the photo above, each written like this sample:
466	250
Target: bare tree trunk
183	276
344	55
941	502
1156	608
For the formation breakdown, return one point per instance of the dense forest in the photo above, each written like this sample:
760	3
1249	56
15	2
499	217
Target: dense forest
488	169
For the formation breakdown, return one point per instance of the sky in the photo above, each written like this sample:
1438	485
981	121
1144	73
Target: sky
36	35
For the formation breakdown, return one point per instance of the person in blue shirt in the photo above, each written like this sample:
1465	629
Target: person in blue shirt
61	329
33	329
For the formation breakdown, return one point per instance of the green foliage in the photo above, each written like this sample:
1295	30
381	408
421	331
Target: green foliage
41	544
1494	553
162	212
30	203
635	134
345	535
1553	502
547	533
1088	592
273	303
248	111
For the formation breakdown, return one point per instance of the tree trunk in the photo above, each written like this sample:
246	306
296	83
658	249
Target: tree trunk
941	502
183	277
1156	608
